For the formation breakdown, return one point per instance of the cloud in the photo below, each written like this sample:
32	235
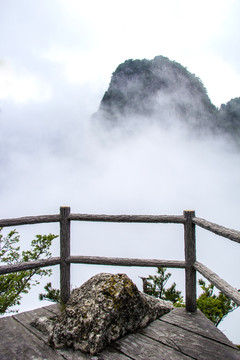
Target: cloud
147	171
21	87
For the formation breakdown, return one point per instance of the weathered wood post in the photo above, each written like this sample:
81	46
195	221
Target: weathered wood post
64	253
190	258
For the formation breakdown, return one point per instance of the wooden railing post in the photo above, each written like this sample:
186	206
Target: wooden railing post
64	254
190	258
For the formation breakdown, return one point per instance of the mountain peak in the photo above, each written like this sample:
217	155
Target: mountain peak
158	88
164	91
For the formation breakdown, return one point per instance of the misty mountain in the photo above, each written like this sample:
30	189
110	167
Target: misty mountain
229	118
166	92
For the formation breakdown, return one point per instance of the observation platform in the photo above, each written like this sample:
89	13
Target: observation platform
176	335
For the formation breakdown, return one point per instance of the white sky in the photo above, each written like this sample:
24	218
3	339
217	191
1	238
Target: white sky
56	61
87	40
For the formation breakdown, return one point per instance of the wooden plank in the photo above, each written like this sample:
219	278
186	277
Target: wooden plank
188	343
108	354
6	269
140	347
55	309
125	261
69	354
28	220
231	234
221	284
26	318
64	254
186	338
19	344
197	323
177	219
190	258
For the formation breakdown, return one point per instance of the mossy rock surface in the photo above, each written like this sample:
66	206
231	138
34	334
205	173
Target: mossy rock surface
103	309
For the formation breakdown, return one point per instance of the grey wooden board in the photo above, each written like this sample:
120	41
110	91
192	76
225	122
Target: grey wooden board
18	344
108	354
176	335
26	318
111	353
55	308
196	322
188	343
139	347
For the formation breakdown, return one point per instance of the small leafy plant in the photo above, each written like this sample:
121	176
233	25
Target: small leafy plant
14	285
215	307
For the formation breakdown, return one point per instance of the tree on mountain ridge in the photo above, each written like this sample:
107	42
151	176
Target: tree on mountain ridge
164	91
229	117
151	87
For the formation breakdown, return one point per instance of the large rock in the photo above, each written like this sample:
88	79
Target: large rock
102	310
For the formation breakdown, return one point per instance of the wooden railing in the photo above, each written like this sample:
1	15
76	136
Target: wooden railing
191	265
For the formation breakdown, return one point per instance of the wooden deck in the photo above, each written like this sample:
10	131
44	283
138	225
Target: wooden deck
177	335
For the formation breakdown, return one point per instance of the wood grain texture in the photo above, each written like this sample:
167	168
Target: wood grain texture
217	229
7	269
110	353
28	220
197	323
17	343
26	318
188	343
190	258
176	335
125	261
221	284
69	354
64	254
139	347
54	309
177	219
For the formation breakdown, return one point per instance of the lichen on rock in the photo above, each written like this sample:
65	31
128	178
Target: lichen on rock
103	309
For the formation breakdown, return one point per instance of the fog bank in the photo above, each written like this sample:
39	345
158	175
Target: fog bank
66	159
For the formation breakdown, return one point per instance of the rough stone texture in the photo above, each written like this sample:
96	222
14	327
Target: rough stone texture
102	310
44	324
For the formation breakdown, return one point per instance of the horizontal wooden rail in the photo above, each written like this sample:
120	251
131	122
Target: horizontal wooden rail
28	220
98	260
217	229
221	284
190	264
7	269
177	219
